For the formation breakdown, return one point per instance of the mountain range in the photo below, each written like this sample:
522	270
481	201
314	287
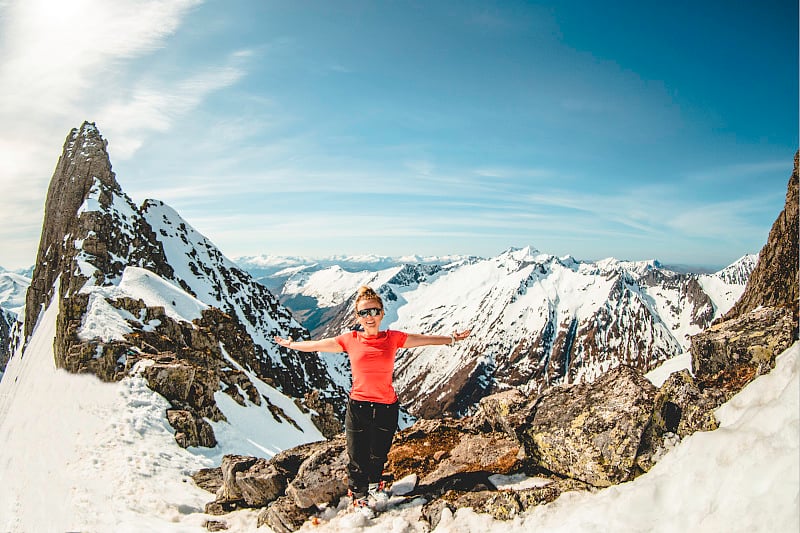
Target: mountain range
536	319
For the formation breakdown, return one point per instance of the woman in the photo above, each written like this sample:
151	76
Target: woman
373	407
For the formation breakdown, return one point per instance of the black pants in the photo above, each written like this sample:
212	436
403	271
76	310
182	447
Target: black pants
370	427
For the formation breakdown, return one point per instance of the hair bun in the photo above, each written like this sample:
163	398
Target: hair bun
367	293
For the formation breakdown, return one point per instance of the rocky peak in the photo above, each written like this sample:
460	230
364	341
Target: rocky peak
774	282
84	160
763	322
197	322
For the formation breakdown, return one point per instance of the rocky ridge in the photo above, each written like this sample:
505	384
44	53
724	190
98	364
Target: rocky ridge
95	240
570	437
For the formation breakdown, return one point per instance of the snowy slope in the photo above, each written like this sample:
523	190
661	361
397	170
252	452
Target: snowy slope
82	455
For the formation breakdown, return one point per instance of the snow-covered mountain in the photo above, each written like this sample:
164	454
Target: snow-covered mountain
274	270
13	286
536	319
140	292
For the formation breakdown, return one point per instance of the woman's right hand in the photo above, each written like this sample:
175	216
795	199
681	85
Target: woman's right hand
283	342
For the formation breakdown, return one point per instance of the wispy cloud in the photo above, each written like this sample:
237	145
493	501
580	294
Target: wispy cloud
63	62
154	106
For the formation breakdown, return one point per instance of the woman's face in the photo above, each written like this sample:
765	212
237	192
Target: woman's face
364	311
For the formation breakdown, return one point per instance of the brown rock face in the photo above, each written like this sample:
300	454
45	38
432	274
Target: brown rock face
764	322
83	174
775	280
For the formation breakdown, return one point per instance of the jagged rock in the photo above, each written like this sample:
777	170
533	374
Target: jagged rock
215	525
231	465
220	508
501	505
292	459
284	516
503	411
680	408
185	385
209	479
755	338
322	478
250	481
591	432
260	484
495	453
191	430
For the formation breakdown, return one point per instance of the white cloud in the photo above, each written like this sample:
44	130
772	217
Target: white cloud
152	106
65	62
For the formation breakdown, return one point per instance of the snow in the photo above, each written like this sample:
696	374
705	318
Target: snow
336	283
82	455
153	290
659	375
724	295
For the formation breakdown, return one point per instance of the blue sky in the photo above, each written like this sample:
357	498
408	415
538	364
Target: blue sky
638	130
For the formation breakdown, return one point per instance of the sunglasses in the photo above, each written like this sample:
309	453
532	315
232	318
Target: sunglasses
372	311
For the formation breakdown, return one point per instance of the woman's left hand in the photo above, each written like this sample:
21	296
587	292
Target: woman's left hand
461	336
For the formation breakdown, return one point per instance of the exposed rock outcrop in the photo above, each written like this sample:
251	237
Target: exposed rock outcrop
574	437
764	322
592	433
7	321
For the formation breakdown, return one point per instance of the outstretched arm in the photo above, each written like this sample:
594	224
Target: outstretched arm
323	345
415	339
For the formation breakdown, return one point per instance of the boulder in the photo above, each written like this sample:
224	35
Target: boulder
249	482
591	432
191	430
209	479
493	453
284	516
753	338
419	448
503	411
322	478
229	491
501	505
680	408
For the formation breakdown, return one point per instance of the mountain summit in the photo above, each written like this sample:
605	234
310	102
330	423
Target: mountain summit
141	292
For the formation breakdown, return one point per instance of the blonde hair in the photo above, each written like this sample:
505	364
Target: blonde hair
366	293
